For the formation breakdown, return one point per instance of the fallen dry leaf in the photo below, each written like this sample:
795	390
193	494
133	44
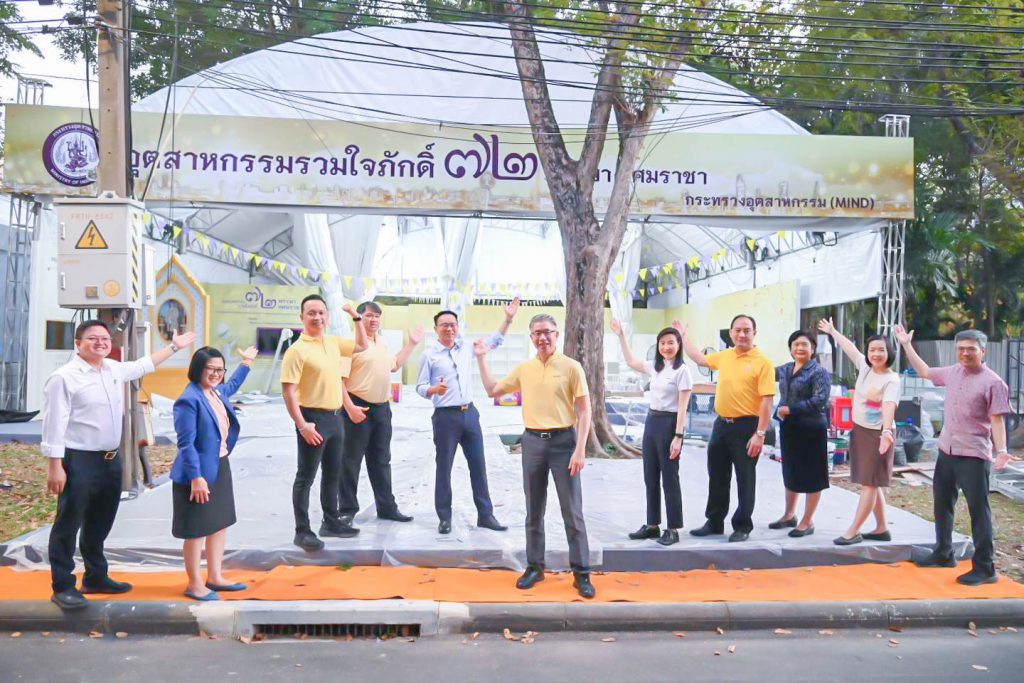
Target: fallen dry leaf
608	640
679	634
717	653
731	649
259	637
301	636
720	630
298	665
972	632
476	634
121	634
782	632
45	634
465	642
893	641
408	640
896	629
993	631
971	626
509	635
95	634
1011	629
245	639
16	634
979	667
826	632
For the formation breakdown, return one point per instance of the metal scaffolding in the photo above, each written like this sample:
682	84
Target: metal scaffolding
21	232
891	299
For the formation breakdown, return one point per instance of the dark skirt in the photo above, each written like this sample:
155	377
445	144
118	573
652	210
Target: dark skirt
197	520
804	456
868	467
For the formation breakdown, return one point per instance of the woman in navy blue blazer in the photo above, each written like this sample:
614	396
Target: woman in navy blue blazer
204	502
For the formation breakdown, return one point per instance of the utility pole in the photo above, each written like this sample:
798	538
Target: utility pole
114	123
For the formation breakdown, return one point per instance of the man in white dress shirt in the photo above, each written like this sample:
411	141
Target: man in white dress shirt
82	418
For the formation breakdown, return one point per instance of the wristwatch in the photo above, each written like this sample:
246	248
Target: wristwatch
761	433
680	436
356	318
174	348
1001	451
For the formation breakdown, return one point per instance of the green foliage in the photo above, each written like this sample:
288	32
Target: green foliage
11	39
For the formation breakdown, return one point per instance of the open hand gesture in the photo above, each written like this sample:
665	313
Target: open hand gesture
184	339
825	325
902	336
680	327
512	308
616	327
1004	459
249	355
416	335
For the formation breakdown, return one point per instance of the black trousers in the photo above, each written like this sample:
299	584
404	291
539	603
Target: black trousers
970	475
88	503
454	427
727	450
660	471
370	438
327	458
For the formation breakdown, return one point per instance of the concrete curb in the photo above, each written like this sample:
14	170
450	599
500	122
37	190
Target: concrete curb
241	618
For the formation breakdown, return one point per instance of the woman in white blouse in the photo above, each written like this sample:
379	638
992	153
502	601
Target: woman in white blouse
671	385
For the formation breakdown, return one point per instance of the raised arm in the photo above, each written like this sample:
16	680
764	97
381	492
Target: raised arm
178	342
510	314
848	347
627	353
480	348
415	337
906	340
694	353
360	329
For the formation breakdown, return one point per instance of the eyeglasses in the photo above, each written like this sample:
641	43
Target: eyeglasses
537	334
215	371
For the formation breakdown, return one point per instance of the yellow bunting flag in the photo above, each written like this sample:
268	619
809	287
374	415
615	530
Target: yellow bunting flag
348	280
234	251
304	272
176	231
258	260
643	273
751	244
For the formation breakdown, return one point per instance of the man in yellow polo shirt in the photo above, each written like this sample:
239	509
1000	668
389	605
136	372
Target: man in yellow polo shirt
311	382
556	403
367	419
743	401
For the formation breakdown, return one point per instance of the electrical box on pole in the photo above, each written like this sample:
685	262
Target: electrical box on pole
100	253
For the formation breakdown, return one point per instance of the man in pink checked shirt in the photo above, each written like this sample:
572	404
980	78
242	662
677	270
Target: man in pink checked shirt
977	402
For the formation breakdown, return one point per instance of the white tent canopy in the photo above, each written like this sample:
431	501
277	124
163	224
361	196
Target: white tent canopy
459	76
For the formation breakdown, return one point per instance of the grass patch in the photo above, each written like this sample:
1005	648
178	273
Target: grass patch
26	505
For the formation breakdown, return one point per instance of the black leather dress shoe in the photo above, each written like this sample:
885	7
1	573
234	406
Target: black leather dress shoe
646	531
976	578
583	586
933	560
338	531
490	522
707	530
532	576
669	537
783	523
308	541
444	526
395	516
70	599
108	586
800	533
738	536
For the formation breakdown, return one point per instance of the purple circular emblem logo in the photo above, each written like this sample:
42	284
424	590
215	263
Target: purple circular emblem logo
71	154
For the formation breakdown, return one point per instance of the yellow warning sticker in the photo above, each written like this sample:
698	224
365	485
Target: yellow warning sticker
91	238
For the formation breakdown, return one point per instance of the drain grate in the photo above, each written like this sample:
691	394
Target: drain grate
337	630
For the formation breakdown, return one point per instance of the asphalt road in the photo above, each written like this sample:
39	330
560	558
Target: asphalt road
761	656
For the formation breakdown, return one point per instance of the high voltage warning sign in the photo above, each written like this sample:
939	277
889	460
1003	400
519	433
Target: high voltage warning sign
91	238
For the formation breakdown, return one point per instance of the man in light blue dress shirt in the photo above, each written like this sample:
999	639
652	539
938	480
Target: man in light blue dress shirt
446	378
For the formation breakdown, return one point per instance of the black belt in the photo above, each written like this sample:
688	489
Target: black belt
662	413
324	411
462	408
732	420
548	433
107	455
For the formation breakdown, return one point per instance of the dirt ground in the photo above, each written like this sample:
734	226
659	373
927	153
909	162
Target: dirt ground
24	501
1007	515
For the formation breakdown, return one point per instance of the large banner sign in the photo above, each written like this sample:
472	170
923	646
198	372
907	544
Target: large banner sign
408	168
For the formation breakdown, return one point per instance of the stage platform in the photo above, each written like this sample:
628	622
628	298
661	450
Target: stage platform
263	465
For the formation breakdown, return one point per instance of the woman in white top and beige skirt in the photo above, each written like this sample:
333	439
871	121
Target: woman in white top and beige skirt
664	428
872	439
